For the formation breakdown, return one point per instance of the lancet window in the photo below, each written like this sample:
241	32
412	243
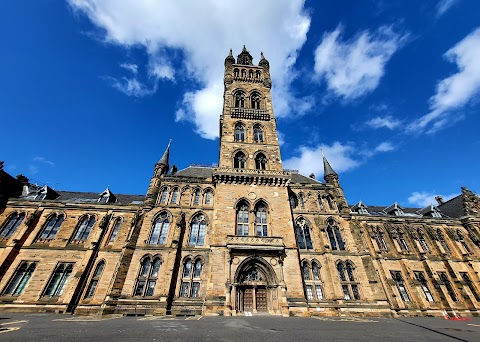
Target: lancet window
242	218
302	232
190	285
147	276
11	225
198	228
334	235
159	232
239	160
347	280
51	226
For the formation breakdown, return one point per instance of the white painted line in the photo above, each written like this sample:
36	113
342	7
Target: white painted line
475	325
14	322
8	330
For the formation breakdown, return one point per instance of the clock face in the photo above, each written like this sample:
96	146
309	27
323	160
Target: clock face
252	195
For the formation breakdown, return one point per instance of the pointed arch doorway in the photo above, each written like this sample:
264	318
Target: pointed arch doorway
255	287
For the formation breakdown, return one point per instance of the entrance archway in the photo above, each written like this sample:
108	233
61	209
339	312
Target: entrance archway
255	287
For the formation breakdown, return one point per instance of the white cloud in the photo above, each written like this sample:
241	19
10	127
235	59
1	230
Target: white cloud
33	170
444	5
456	90
354	68
132	67
423	199
43	160
380	122
132	86
204	32
385	147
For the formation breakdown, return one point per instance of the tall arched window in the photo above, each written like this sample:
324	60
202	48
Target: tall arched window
331	202
239	160
250	73
462	241
174	199
302	232
116	228
448	285
244	73
95	279
11	225
197	231
379	239
424	284
58	280
306	271
320	203
402	242
84	228
423	243
147	277
242	218
255	101
398	279
261	219
158	236
313	286
196	197
444	244
347	280
257	133
239	99
334	235
236	72
260	161
164	196
293	200
190	285
20	278
301	199
208	197
51	226
239	132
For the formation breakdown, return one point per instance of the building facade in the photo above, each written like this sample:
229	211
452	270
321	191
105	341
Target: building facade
244	236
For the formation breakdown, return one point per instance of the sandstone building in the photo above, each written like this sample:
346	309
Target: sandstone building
245	236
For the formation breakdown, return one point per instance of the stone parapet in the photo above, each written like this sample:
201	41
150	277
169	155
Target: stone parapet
255	242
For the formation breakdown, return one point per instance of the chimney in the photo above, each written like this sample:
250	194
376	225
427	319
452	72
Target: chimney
439	200
312	175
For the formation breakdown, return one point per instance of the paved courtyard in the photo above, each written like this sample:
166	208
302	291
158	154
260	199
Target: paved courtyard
51	327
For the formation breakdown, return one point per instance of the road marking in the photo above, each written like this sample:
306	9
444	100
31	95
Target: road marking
85	319
8	330
196	318
345	319
14	322
475	325
156	318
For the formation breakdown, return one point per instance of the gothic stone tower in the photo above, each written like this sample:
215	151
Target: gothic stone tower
254	256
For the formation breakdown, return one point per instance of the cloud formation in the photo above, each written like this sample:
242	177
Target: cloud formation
383	122
353	68
444	5
277	27
423	199
342	157
455	91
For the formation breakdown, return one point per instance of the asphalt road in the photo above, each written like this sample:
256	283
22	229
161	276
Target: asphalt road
51	327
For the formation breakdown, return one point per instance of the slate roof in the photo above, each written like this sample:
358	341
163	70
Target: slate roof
453	207
194	172
92	197
301	179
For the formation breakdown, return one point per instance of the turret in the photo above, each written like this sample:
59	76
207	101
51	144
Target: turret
161	168
329	174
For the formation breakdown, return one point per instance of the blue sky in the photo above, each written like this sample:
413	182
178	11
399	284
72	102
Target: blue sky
92	91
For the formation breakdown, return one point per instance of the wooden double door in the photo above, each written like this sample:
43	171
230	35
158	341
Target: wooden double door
255	298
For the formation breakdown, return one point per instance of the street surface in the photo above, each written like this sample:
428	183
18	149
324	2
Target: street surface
51	327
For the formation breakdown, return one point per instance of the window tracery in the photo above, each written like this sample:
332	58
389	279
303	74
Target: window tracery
197	230
302	229
147	277
239	160
347	279
334	235
242	218
158	235
51	226
11	225
190	284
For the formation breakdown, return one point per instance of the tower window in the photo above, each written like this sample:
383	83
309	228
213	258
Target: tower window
257	133
197	231
261	220
257	74
244	73
260	161
239	99
239	132
255	98
242	219
235	72
239	160
250	74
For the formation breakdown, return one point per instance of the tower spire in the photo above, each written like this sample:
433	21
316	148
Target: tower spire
327	169
166	155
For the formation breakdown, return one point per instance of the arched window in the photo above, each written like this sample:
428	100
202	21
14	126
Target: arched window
239	160
158	236
448	285
255	98
250	74
444	244
320	203
423	243
334	235
261	219
244	73
164	196
239	132
331	202
84	228
20	278
208	197
147	277
51	226
379	239
116	227
424	284
58	280
462	241
398	279
239	99
293	200
257	74
257	133
197	231
301	200
11	225
302	232
347	280
174	199
190	286
313	286
95	279
235	72
196	197
242	218
402	242
470	285
260	161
